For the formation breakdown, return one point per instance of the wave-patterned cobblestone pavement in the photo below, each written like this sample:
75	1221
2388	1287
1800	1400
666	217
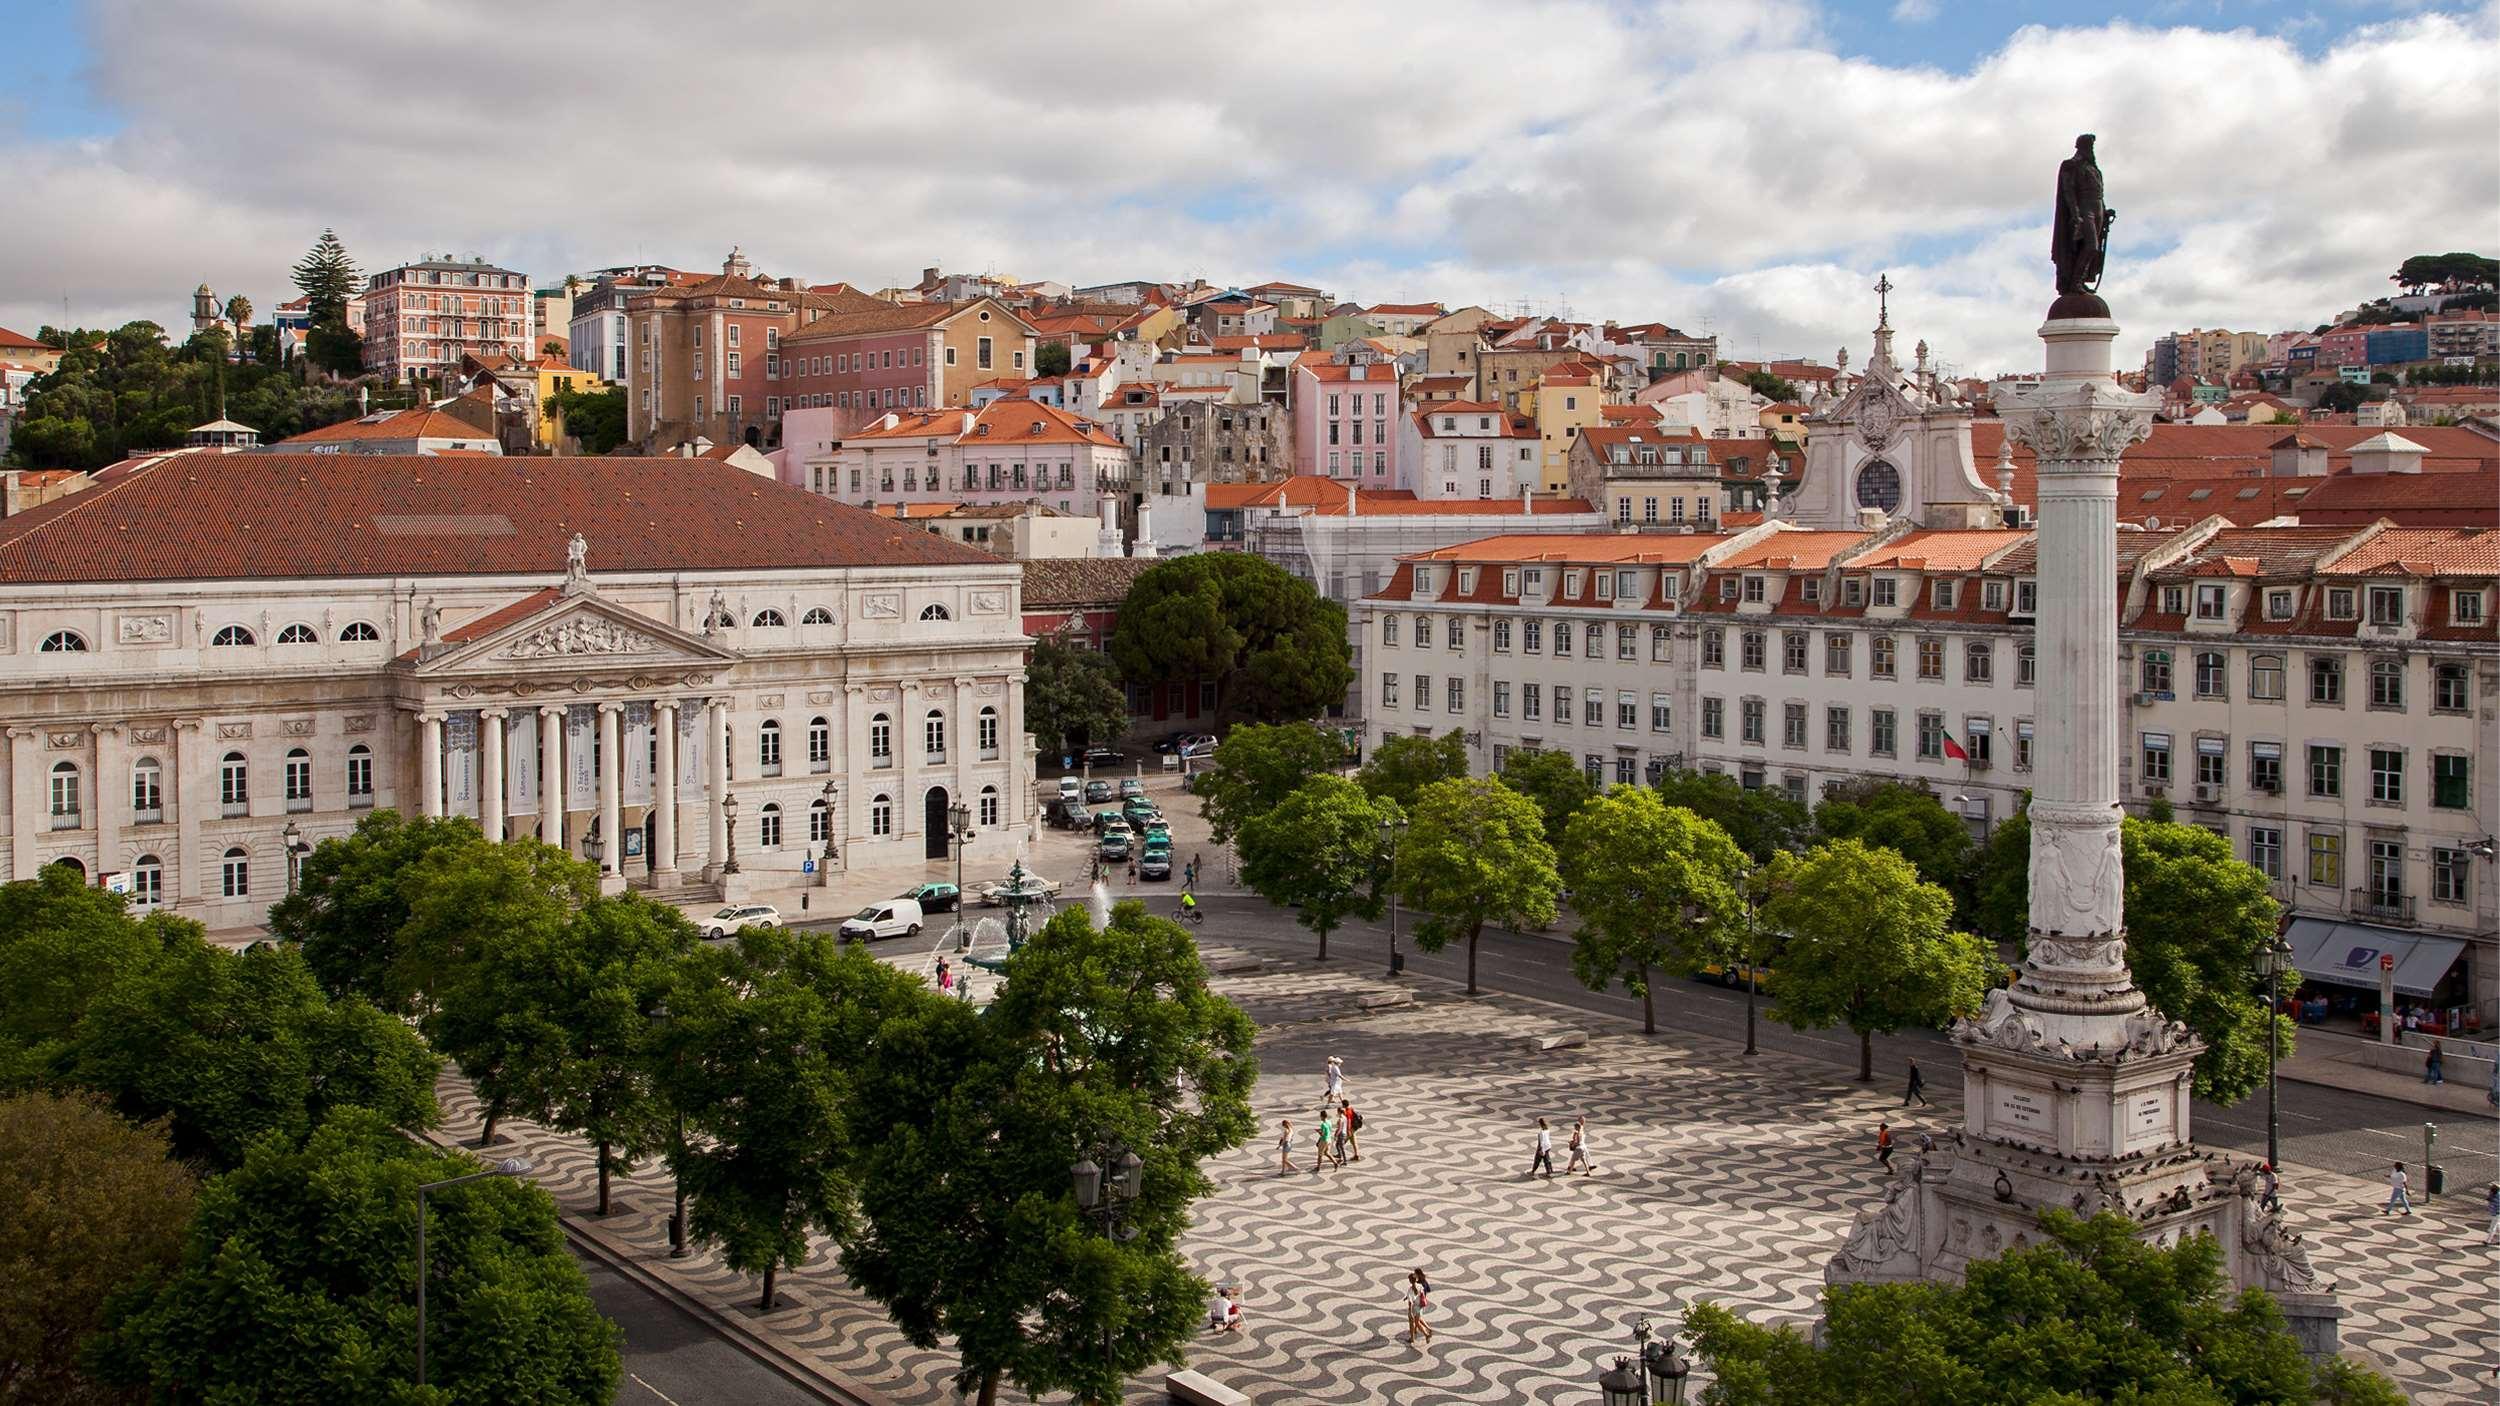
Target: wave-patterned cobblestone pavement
1717	1177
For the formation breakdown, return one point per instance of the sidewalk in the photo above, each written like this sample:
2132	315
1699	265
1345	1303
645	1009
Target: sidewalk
2330	1061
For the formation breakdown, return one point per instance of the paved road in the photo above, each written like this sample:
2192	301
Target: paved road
672	1359
2356	1134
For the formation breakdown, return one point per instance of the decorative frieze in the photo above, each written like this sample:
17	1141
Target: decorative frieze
143	630
234	732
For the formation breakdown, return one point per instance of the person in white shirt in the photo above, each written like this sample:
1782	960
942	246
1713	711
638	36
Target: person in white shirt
1224	1310
1336	1079
1544	1151
1579	1161
2397	1195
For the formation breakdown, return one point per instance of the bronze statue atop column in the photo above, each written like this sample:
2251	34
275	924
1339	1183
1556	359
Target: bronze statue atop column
2079	234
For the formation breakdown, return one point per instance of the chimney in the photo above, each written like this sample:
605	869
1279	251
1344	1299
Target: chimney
2298	456
929	274
2387	453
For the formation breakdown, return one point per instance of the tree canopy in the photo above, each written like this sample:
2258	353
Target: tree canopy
2091	1314
1761	821
1050	359
1656	888
1475	853
1322	851
128	391
353	898
327	278
1275	649
1771	387
599	985
596	418
1554	781
1256	767
1402	766
1863	942
1908	820
1072	697
2422	271
969	1225
296	1286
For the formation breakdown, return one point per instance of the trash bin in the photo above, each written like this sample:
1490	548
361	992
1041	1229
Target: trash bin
2438	1180
1397	963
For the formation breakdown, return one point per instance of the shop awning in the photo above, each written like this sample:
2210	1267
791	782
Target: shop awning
2347	954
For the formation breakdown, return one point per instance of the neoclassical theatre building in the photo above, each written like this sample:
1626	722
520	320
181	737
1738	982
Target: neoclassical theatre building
670	666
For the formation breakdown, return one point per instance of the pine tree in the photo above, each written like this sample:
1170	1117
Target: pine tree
327	279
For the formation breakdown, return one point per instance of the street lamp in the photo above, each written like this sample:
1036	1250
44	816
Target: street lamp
1753	972
508	1167
959	830
1665	1364
661	1016
296	848
594	846
1620	1385
1107	1201
833	826
1392	838
2273	959
729	812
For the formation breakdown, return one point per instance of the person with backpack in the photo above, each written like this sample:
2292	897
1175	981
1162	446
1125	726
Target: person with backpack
1349	1123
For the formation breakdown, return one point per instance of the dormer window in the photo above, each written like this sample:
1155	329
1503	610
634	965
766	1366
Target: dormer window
2340	603
2387	605
1423	581
2209	601
1510	583
1449	422
2465	607
1945	594
1753	590
1853	590
2173	600
2026	598
1886	592
1727	589
1670	585
1813	590
1466	580
1626	585
1536	578
1992	596
1605	585
2278	605
1571	583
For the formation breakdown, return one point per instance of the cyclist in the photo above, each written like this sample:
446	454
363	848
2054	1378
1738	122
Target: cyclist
1189	906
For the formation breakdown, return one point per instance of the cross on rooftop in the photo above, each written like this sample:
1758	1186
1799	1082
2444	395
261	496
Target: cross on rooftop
1883	300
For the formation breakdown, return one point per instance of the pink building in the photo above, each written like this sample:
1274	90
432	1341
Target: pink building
421	318
1009	451
2343	346
1347	419
908	356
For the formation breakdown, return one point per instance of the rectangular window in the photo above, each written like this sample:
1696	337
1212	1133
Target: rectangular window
2449	693
1593	707
2212	761
2451	876
2387	605
2387	683
1836	654
1836	729
1596	642
2156	753
1713	718
1423	692
1793	725
1882	731
1930	735
1931	659
2209	598
1627	642
1714	649
1501	637
1750	714
1564	635
2449	790
2340	603
2387	775
1628	711
982	357
1979	662
1661	713
2265	850
1793	651
1457	632
1753	590
1501	698
1754	651
1457	694
2326	681
2022	746
1886	591
2326	770
1531	701
1879	657
2265	767
1661	644
1423	628
2326	858
1388	690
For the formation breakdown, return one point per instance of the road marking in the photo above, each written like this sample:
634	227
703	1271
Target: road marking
655	1391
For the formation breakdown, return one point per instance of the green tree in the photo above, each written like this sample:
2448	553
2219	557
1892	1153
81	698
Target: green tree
462	899
1402	766
296	1286
1554	781
126	391
1475	853
63	942
2434	270
2091	1314
2001	878
2196	920
1866	944
969	1228
481	948
1256	767
1072	697
93	1204
1761	821
1050	359
327	278
762	1052
1322	852
1908	820
612	968
239	312
1771	387
353	897
335	347
595	417
1273	647
1655	887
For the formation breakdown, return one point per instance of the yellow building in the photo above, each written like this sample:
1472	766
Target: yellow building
554	378
1564	400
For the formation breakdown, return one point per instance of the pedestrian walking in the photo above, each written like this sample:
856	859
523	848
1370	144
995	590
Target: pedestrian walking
2491	1208
1578	1146
1883	1143
1284	1145
1544	1151
1918	1086
1418	1299
946	978
2434	1070
2398	1192
2272	1195
1132	870
1319	1154
1349	1123
1336	1079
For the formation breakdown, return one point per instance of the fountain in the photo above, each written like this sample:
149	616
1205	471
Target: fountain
1020	894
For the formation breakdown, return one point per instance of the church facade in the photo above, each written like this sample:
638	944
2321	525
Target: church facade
699	681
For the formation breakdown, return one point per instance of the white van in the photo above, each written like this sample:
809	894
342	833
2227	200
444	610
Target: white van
1071	789
892	917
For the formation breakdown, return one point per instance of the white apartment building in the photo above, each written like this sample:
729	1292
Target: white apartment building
1471	449
1006	451
2328	698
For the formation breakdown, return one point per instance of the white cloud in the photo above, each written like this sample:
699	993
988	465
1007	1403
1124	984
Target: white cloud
1913	11
1678	159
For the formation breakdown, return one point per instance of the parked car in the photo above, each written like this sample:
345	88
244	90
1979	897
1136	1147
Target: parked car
988	895
1070	814
1138	810
1158	829
1154	861
1101	757
933	897
741	915
1099	790
1104	819
1184	742
1071	789
895	917
1131	788
1114	845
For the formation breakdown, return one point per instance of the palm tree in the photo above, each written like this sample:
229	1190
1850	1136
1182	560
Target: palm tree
239	313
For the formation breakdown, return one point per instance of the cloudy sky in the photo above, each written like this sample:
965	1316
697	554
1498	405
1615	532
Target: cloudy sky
1745	166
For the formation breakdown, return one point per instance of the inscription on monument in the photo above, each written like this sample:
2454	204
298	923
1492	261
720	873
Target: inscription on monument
2021	1108
2148	1119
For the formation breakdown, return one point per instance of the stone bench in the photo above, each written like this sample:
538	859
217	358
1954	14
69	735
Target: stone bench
1558	1040
1198	1389
1383	1000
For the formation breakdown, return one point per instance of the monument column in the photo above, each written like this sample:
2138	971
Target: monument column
663	857
430	765
490	784
611	813
551	775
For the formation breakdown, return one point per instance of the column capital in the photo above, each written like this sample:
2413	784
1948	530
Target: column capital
188	724
431	715
20	734
664	705
102	728
611	706
721	701
494	712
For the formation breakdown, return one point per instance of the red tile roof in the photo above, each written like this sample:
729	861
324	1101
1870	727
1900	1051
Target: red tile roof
1941	550
1611	548
2414	551
263	516
20	339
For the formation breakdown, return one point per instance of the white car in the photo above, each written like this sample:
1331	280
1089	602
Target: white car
895	917
988	894
741	915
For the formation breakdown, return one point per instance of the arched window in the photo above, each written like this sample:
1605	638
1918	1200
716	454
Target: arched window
359	775
298	634
880	740
816	615
64	642
2211	673
819	745
147	882
235	873
299	780
935	612
933	735
722	620
768	620
989	806
231	635
65	796
358	632
768	827
988	738
880	815
234	784
768	748
147	791
819	821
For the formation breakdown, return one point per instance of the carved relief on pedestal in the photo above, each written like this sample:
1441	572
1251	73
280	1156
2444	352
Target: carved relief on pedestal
2077	884
144	629
583	634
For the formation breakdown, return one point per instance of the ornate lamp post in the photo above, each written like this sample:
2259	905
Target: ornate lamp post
1106	1201
1392	838
595	844
508	1167
296	848
833	826
2273	959
1652	1375
729	809
959	830
677	1250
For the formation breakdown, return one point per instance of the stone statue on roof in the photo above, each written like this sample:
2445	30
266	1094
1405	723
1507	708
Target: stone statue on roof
2079	231
577	562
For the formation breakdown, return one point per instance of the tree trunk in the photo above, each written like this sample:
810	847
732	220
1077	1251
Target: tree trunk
603	1178
1322	930
766	1305
494	1113
989	1388
1866	1056
1472	934
1649	1008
